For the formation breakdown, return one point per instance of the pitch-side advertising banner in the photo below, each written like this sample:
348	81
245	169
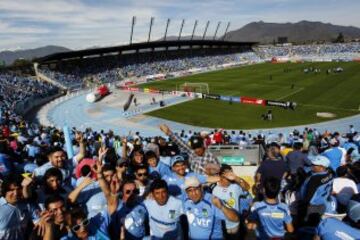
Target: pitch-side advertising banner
251	100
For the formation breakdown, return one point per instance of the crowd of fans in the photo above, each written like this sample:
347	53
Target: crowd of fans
17	89
138	70
99	185
107	186
332	51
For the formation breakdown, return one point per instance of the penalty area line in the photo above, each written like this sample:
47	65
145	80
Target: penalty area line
290	94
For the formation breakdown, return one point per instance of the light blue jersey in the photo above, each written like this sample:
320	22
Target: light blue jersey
164	220
334	155
135	223
204	219
96	204
15	219
334	229
161	168
176	183
270	219
231	196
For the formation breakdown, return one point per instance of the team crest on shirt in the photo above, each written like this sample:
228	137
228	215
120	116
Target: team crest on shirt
172	214
205	212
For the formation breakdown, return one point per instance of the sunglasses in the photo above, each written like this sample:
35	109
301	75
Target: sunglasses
142	174
129	191
78	226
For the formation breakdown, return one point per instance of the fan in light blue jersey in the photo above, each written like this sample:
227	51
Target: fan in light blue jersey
205	212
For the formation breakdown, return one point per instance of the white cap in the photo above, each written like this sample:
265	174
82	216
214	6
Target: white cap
191	182
321	161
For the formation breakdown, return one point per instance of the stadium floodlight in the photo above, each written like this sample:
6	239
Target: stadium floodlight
206	28
151	23
166	29
132	28
216	30
181	28
193	32
227	28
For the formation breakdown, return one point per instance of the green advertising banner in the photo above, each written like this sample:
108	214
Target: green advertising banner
233	160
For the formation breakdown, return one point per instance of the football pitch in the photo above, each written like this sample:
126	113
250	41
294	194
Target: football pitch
336	93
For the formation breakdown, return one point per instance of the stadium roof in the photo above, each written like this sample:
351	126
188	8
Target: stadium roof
143	45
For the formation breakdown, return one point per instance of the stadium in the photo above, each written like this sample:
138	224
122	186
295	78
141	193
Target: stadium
243	140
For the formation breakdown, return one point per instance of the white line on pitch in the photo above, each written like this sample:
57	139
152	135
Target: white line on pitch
290	94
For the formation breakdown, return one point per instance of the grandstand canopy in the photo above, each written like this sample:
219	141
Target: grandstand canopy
147	46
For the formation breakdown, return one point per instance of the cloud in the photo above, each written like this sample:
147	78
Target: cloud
81	23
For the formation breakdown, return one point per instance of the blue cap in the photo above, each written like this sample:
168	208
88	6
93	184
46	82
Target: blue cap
320	161
353	209
176	158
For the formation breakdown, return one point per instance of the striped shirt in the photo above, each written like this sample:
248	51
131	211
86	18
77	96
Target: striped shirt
197	163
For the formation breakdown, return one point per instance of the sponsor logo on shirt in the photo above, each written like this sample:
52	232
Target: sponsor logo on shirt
172	214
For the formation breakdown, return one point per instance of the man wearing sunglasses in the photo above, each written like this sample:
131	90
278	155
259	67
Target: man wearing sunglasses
205	212
52	221
141	179
129	202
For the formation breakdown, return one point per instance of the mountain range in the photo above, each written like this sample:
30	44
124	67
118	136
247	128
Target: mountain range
262	32
10	56
300	32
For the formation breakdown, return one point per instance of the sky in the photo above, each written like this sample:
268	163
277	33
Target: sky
79	24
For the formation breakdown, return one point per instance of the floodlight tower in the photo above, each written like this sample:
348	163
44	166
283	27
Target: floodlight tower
151	24
226	30
166	29
181	28
193	32
206	28
132	29
217	28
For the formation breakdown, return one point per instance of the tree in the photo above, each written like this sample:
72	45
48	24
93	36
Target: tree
21	62
340	38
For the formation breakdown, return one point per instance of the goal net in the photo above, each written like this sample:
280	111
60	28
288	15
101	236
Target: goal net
194	87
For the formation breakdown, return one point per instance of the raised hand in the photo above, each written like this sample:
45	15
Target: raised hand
165	129
26	182
97	167
46	219
102	152
230	176
79	137
86	181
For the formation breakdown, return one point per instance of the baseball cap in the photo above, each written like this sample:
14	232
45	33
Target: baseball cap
191	182
176	158
196	142
353	209
320	161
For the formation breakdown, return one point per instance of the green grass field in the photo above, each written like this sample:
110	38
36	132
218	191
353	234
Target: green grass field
335	93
